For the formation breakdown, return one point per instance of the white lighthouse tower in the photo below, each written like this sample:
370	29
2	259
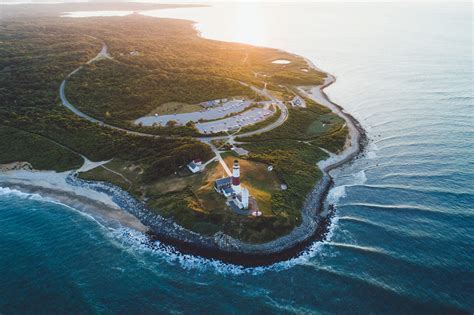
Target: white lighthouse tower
236	178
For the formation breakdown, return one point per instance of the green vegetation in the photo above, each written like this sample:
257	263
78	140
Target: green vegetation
104	175
40	152
192	202
35	56
117	92
173	65
273	118
172	69
174	108
293	149
306	124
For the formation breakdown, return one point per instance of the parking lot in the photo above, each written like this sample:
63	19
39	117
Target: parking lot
246	118
211	113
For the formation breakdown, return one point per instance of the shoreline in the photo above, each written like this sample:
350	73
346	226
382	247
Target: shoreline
133	214
113	205
52	187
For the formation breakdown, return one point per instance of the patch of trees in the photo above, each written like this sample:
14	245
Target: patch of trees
172	64
167	164
35	56
40	152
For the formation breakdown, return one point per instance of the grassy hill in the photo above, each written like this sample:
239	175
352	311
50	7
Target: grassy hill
155	63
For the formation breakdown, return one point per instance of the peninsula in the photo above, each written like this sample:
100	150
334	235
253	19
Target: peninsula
219	149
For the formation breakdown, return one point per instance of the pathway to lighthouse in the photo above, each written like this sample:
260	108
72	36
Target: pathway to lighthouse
219	158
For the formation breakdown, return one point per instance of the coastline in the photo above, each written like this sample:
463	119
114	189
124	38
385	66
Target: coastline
52	186
112	204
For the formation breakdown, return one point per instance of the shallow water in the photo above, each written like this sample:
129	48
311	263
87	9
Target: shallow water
402	240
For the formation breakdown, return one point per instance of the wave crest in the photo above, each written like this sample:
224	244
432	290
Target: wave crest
138	241
17	193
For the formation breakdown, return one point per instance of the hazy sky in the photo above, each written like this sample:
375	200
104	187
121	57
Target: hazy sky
223	1
295	1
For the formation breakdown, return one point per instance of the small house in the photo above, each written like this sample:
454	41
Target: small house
195	166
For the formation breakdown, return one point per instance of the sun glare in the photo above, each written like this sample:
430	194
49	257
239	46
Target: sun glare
249	25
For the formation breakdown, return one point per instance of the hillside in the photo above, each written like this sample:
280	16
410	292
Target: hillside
153	63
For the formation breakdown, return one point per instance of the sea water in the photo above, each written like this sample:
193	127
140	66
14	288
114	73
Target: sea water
402	240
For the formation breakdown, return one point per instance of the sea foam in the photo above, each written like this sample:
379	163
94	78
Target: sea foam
136	241
5	191
17	193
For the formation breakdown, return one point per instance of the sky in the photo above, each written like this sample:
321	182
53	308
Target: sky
291	1
222	1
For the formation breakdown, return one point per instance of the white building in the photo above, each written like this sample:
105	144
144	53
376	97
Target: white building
297	102
231	187
195	166
240	151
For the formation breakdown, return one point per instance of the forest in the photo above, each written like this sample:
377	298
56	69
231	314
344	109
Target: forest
157	61
35	56
154	61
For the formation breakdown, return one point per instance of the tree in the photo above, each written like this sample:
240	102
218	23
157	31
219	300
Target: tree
171	123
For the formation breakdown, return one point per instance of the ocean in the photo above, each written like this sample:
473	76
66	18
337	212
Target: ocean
402	240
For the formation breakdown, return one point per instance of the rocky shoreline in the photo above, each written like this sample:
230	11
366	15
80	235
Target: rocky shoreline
314	226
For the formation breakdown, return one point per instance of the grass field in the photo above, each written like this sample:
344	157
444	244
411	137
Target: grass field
258	180
175	67
323	124
175	108
102	174
193	203
254	175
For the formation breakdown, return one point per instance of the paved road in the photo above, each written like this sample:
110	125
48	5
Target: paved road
218	112
104	54
283	117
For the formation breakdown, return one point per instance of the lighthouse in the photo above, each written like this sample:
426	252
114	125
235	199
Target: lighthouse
238	196
236	178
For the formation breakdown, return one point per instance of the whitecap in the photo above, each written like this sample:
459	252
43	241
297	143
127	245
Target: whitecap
138	241
360	178
371	155
4	191
14	192
372	146
336	193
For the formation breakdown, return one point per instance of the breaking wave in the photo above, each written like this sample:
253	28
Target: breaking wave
135	240
5	191
17	193
370	150
338	192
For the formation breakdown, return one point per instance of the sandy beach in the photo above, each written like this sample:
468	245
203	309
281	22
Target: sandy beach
53	186
111	205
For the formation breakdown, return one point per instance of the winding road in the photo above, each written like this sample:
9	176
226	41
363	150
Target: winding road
313	227
206	139
103	54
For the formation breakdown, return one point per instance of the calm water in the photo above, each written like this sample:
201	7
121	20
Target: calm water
403	238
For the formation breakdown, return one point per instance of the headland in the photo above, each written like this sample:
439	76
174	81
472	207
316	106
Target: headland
128	189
